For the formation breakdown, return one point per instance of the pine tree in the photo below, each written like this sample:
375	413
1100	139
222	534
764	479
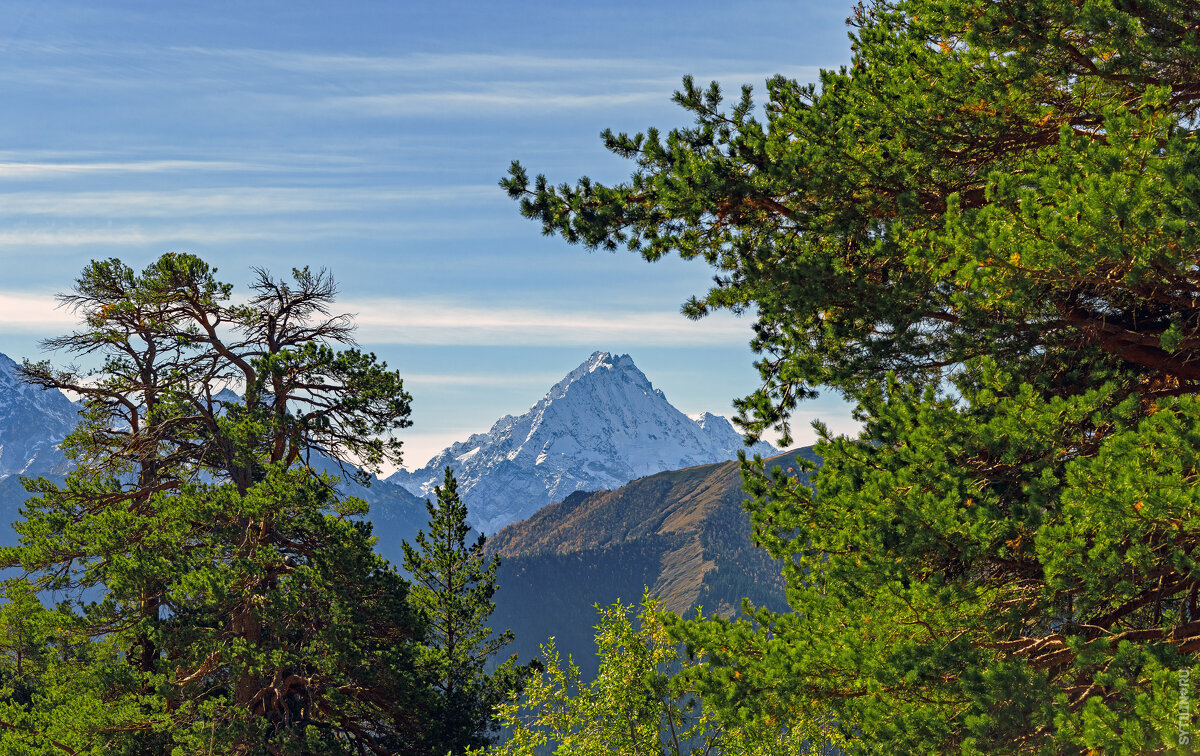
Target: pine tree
221	595
985	231
453	585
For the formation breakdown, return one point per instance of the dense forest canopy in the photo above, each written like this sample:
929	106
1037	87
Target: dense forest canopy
984	231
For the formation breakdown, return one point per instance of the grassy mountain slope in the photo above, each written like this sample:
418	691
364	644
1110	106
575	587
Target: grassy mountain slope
683	533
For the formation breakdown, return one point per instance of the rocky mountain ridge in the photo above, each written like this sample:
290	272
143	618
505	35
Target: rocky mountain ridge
33	422
601	426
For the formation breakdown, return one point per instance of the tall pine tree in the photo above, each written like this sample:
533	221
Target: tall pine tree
453	585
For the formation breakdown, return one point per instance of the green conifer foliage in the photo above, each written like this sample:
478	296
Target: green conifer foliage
986	232
452	589
220	597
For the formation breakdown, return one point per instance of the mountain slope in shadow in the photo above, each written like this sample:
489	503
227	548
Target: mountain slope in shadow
682	533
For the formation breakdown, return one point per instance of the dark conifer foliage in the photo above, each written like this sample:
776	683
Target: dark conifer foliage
453	585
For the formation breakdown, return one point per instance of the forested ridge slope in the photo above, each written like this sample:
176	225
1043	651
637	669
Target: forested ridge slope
683	534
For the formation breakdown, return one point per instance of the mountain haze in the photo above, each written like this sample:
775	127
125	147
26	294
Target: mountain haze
600	427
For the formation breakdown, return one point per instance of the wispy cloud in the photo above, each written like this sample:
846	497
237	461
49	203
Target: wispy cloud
327	63
33	313
234	201
438	322
523	101
644	69
420	84
211	62
409	321
426	381
171	231
35	170
137	236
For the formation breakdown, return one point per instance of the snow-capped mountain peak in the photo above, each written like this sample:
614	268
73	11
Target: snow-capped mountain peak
601	426
33	422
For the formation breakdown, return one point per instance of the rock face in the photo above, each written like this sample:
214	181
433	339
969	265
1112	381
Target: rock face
33	422
600	427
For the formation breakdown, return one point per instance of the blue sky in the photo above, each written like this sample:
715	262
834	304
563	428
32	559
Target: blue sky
368	138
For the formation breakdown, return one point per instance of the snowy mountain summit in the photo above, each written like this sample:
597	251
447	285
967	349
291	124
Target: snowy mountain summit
598	428
33	422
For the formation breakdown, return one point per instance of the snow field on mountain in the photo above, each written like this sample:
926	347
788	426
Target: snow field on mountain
600	427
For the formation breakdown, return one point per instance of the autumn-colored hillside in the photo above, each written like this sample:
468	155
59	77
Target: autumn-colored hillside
682	533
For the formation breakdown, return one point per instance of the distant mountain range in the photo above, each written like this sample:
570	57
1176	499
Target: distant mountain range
682	533
33	423
600	427
602	488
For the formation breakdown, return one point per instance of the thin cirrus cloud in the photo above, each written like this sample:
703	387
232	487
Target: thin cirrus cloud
645	71
38	314
235	201
283	73
414	321
37	170
525	96
443	103
138	234
351	157
365	86
454	381
141	236
437	322
329	63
